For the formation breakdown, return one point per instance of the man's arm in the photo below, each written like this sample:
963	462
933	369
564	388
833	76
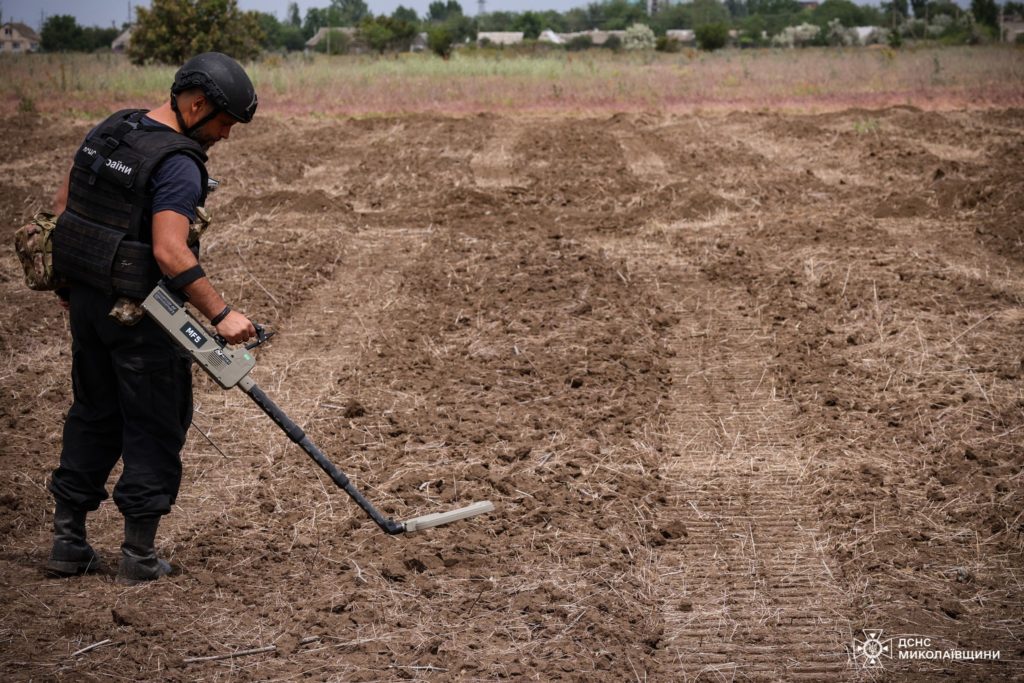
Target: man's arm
60	200
170	248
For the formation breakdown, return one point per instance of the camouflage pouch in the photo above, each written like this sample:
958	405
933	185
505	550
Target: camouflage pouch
34	245
199	226
129	312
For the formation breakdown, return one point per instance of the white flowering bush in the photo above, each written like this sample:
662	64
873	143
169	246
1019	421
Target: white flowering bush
796	36
639	37
939	25
840	35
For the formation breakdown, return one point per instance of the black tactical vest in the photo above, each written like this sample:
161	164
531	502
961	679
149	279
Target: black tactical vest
104	237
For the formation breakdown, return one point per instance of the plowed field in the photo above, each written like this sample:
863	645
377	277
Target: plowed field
739	386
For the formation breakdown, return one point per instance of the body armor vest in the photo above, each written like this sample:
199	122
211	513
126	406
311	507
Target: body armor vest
104	237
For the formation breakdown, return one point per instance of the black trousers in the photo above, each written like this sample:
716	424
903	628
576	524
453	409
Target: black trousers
133	400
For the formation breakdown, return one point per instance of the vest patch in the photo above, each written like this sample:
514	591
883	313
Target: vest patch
120	167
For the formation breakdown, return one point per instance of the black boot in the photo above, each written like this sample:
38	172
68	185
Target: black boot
71	555
139	562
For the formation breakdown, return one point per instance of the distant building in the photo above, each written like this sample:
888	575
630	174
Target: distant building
549	36
866	34
121	43
16	38
324	36
1012	29
684	36
499	37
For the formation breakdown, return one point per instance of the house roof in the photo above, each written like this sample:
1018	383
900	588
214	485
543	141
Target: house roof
24	29
322	34
683	35
549	36
500	37
122	40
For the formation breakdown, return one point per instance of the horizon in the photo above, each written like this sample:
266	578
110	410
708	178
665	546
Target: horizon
105	13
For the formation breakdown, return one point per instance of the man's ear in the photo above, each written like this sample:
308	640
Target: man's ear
198	103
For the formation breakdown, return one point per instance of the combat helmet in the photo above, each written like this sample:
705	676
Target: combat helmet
224	83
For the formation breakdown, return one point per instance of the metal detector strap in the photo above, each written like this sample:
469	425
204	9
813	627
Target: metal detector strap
296	434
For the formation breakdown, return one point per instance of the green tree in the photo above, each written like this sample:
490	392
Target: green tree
708	12
271	29
777	14
737	8
171	31
530	24
985	12
440	41
405	14
616	15
461	28
497	21
293	15
61	33
712	36
316	19
385	33
96	38
672	17
847	12
576	19
349	12
279	35
553	20
947	7
895	11
439	11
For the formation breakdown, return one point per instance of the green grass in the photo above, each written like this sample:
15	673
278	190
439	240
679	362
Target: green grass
589	82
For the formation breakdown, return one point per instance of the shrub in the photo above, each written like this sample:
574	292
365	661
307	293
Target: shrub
712	36
577	43
840	35
666	44
440	41
614	43
797	36
1019	40
639	37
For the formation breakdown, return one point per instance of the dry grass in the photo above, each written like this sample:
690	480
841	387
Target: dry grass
590	82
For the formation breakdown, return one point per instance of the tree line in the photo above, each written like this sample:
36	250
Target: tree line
170	31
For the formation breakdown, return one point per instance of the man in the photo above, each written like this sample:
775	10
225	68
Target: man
136	182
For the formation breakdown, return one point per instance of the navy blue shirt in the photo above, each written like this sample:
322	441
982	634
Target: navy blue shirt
176	184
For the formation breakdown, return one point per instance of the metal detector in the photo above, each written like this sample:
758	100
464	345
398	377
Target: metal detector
230	367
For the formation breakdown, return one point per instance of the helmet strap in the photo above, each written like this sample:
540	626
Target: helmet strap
189	131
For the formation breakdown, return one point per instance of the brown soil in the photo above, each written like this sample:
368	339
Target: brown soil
739	388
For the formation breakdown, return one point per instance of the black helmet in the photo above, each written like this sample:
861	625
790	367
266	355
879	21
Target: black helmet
222	80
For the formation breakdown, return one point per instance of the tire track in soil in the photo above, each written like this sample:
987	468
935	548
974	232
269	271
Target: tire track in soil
746	593
492	165
749	594
641	159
